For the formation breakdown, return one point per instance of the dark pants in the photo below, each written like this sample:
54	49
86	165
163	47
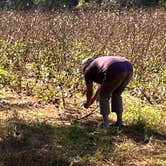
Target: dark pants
116	79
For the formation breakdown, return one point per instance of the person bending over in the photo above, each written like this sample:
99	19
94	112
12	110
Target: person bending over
112	73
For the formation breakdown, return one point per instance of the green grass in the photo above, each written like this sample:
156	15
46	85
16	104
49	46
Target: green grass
36	142
143	114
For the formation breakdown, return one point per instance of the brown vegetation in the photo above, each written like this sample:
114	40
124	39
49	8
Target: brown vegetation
40	55
50	46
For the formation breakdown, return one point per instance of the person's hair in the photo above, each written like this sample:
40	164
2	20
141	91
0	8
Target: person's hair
87	61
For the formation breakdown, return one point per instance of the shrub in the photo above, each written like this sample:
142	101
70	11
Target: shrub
48	48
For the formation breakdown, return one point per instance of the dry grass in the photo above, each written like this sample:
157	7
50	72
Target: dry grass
42	53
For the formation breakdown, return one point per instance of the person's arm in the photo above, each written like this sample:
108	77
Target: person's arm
90	99
96	95
89	94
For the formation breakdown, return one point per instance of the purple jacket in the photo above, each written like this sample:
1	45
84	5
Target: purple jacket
105	66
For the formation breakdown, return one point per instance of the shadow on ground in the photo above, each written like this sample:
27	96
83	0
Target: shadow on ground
142	134
138	132
41	144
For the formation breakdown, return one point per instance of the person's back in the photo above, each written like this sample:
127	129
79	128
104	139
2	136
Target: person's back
99	67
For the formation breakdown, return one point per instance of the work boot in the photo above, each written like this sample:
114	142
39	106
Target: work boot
118	124
104	125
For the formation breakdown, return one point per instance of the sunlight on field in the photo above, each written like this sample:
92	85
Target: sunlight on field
42	120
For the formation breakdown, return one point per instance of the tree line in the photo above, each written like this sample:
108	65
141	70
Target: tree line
58	4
